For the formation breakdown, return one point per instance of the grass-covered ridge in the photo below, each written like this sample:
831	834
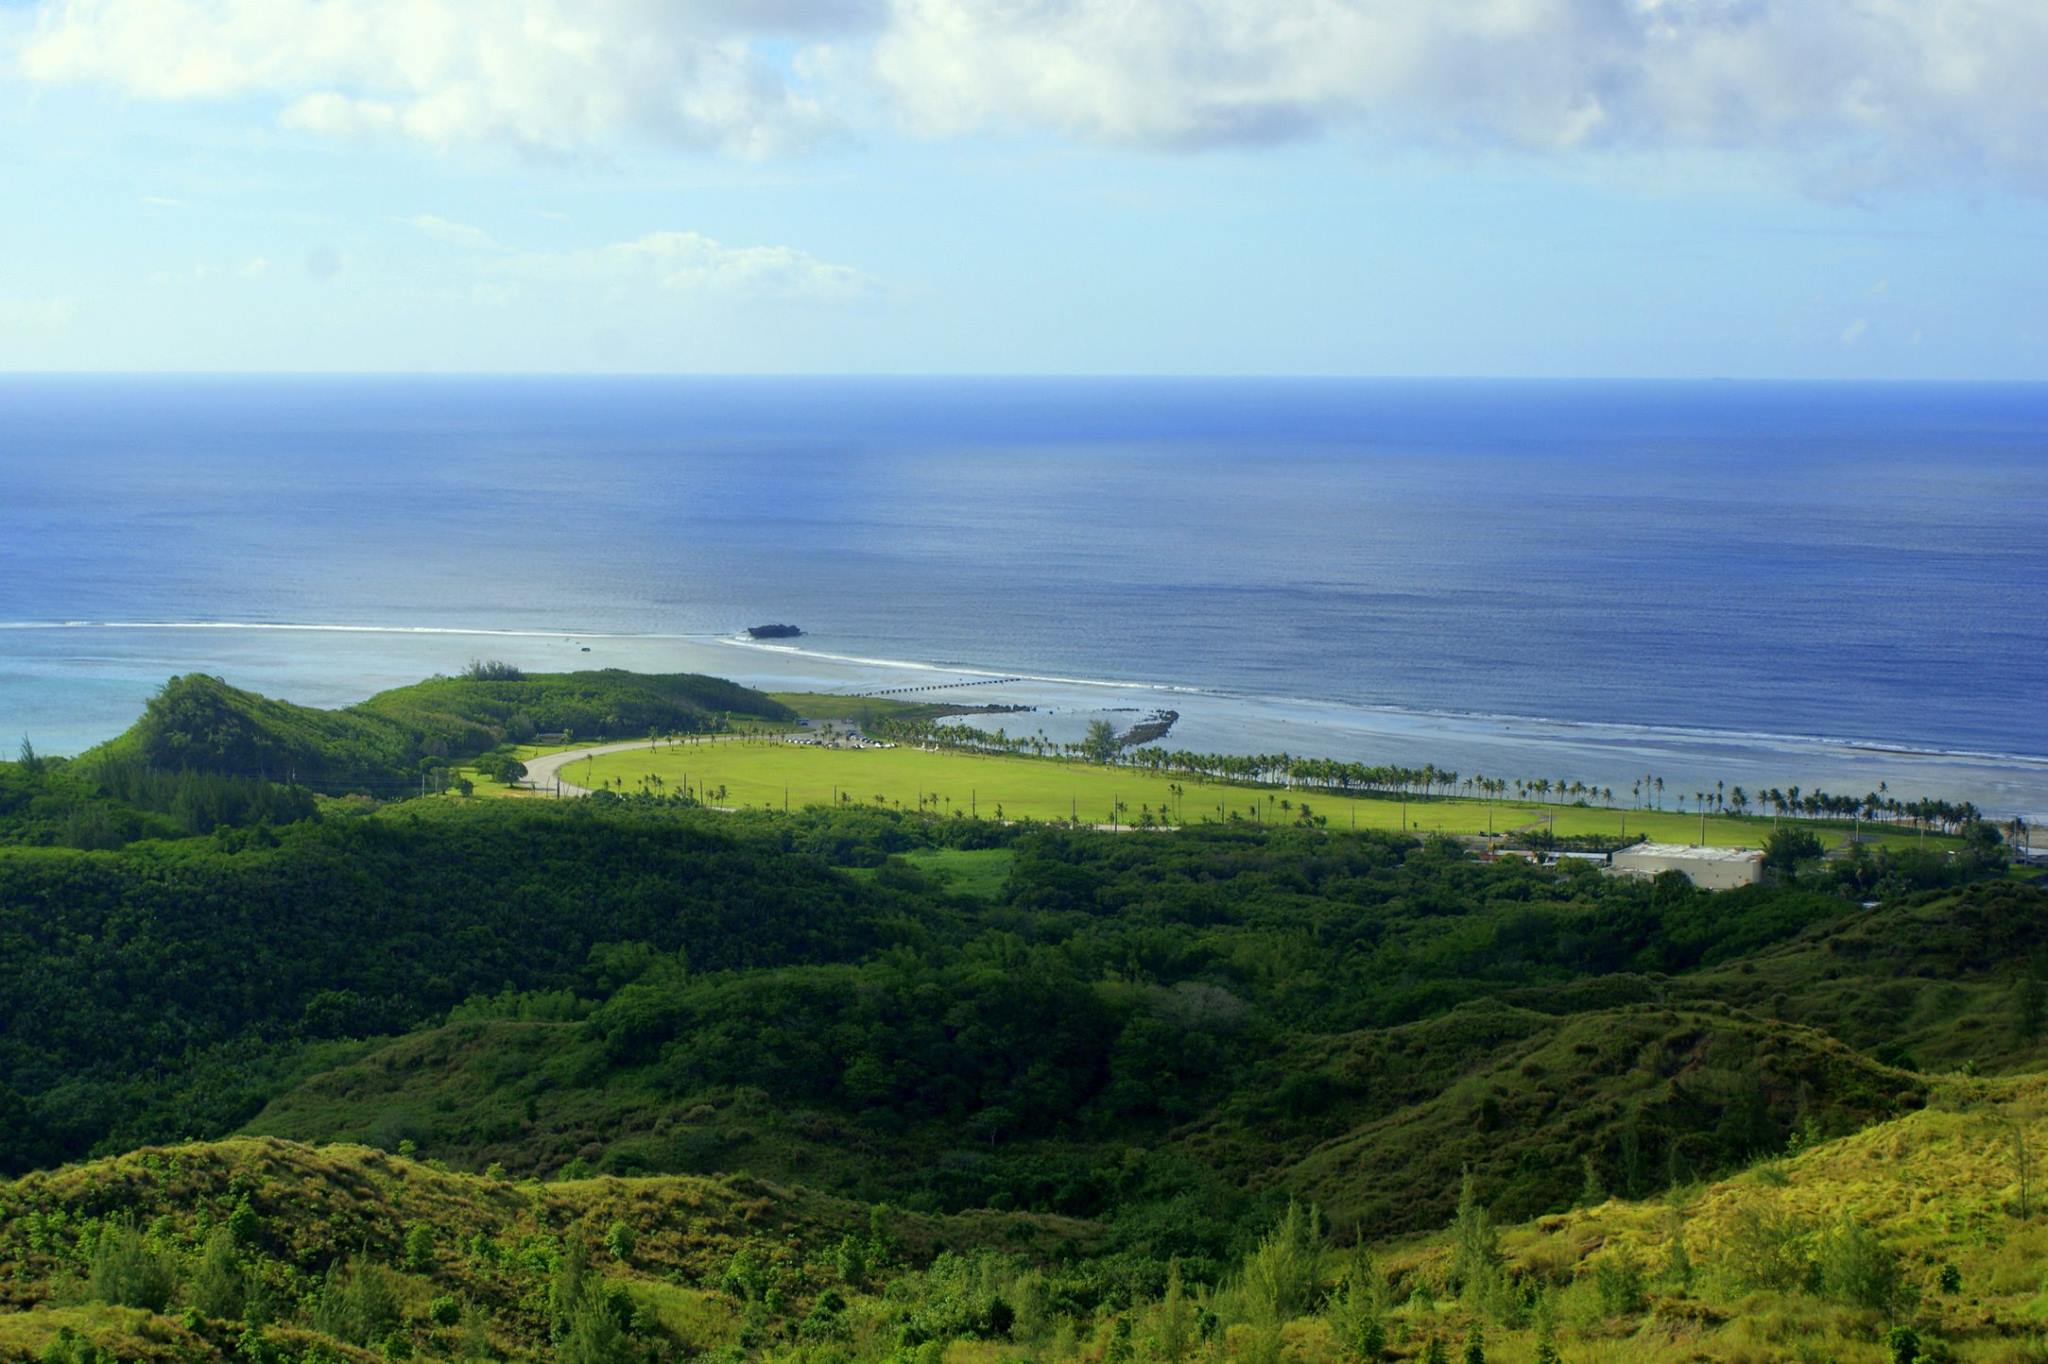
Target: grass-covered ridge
1915	1238
201	724
220	1250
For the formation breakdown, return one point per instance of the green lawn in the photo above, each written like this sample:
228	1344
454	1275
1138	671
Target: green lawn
484	786
815	705
979	873
757	774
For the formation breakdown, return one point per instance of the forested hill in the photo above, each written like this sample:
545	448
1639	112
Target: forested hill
623	1079
201	724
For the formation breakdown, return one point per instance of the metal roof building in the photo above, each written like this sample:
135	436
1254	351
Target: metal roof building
1707	868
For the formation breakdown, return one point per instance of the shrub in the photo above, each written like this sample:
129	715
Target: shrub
1279	1280
1858	1269
358	1303
1358	1312
1764	1249
1475	1243
619	1241
419	1247
127	1271
243	1223
67	1346
1618	1279
217	1284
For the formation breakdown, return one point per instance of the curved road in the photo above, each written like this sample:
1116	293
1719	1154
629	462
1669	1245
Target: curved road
544	771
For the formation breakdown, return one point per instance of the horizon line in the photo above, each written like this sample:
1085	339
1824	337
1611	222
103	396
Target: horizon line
1305	376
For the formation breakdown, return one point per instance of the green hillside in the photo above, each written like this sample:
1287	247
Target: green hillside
271	1249
1932	980
301	1080
201	724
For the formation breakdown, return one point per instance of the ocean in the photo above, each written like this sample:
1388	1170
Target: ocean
1813	584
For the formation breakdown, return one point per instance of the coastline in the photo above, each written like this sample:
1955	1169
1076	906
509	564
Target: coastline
93	684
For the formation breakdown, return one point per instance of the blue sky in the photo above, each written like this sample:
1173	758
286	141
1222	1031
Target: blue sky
1836	188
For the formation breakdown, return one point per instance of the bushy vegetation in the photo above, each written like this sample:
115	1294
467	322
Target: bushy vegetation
199	724
270	1250
859	1086
155	991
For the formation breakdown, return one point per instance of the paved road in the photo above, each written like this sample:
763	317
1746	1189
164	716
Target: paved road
542	772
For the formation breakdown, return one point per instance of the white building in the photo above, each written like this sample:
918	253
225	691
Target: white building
1707	868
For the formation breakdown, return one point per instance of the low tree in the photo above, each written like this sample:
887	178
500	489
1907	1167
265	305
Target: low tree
1475	1250
1787	848
127	1271
358	1303
419	1247
216	1286
1174	1320
1858	1269
1358	1311
1279	1281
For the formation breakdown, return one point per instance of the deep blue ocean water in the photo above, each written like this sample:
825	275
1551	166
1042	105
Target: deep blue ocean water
1857	562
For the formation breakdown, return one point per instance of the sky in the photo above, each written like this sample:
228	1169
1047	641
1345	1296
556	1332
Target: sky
1837	189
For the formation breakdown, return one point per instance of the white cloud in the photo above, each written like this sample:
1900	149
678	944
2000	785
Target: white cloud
691	263
1855	331
1870	90
1898	85
453	233
552	76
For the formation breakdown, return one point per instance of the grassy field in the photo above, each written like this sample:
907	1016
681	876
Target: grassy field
757	774
979	873
484	786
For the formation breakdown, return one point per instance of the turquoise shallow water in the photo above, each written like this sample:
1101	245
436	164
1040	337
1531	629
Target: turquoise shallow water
1820	584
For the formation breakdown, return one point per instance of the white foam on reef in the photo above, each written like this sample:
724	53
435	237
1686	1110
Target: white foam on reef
1212	719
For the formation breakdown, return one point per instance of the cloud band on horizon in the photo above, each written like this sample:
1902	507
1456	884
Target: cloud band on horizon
1871	91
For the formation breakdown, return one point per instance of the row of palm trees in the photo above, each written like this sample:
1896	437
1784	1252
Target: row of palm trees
1386	779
